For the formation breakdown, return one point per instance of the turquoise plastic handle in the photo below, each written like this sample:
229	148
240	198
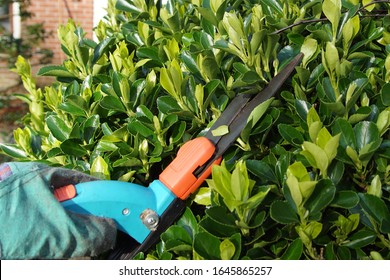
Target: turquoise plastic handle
124	202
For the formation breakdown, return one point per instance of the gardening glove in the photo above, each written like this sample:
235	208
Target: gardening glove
34	225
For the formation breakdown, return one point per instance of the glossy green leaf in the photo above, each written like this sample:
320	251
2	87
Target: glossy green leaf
74	105
56	71
220	131
385	94
366	132
262	170
360	239
347	136
127	6
100	168
282	213
12	151
188	222
207	246
294	251
58	127
332	10
321	197
221	215
102	48
112	103
167	105
73	148
203	196
377	209
290	134
227	249
309	48
302	108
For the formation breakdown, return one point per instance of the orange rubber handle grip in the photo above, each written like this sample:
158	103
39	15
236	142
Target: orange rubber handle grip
179	176
65	193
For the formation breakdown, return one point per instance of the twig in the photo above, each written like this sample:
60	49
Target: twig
305	21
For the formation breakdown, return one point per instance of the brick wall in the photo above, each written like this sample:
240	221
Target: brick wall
56	12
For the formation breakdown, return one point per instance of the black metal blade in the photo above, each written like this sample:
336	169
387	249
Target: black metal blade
237	113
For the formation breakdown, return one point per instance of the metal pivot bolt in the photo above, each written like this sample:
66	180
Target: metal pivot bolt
150	219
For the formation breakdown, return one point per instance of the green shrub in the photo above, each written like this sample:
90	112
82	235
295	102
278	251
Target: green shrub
309	180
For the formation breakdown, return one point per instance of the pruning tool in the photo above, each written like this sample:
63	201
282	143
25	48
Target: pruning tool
141	213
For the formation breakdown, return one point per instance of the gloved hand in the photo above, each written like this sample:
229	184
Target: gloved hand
34	225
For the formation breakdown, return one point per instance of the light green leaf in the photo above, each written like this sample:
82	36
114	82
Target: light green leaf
100	168
259	111
332	57
331	147
318	154
221	130
367	6
332	11
323	137
227	249
375	188
203	196
309	48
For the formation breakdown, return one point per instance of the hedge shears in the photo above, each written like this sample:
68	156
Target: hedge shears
141	213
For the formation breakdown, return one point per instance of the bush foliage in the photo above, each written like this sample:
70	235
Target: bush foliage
309	180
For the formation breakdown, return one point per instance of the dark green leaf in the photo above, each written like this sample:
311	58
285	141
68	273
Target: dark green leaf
176	233
167	105
336	172
262	170
218	229
73	148
221	215
56	71
112	103
366	132
149	53
90	126
13	151
360	239
345	199
321	197
294	251
377	209
136	127
385	94
302	108
343	253
290	134
282	212
124	5
74	105
58	127
274	6
101	48
347	137
188	222
207	246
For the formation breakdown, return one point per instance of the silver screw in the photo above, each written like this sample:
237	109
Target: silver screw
150	219
125	211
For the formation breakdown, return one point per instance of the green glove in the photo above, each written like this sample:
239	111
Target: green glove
34	225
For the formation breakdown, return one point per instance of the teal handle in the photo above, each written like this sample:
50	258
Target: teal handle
134	208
